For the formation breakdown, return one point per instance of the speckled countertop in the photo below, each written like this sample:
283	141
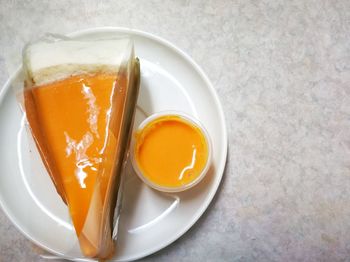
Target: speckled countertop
282	72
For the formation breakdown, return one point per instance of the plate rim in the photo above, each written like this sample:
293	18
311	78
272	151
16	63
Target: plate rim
221	164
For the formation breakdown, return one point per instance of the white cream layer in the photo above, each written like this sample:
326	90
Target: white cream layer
50	61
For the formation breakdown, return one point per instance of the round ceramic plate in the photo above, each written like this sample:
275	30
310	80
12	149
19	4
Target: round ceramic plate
150	220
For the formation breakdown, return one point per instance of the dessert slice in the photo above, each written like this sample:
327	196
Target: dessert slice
80	98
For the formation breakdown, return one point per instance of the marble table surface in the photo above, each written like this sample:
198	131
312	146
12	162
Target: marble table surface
282	72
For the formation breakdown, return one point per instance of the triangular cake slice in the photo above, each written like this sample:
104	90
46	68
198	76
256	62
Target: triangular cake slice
80	98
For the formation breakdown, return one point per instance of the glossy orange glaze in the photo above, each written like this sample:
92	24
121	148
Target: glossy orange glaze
71	122
171	152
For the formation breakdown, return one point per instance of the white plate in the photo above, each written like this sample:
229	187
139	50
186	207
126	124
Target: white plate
150	220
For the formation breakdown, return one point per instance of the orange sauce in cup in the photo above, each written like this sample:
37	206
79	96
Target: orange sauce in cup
170	151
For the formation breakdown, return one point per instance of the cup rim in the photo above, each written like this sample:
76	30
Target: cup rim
192	121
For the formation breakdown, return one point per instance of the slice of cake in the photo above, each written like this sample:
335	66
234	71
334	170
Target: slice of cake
80	98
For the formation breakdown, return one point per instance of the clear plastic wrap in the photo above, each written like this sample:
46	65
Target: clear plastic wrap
79	98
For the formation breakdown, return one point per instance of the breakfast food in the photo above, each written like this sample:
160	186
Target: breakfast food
171	152
79	99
